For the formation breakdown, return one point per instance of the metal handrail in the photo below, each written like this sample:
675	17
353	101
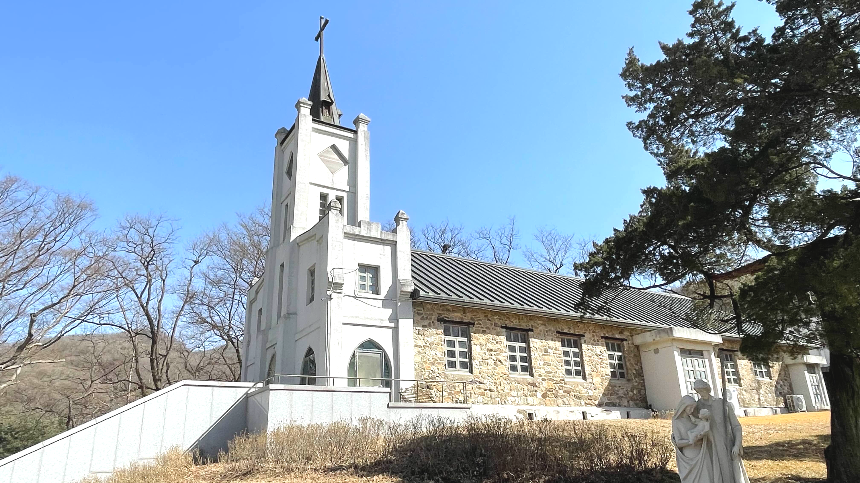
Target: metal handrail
277	377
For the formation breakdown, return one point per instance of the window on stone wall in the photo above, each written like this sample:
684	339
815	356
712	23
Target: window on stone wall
761	370
290	167
518	352
259	320
571	353
615	353
458	355
730	368
368	279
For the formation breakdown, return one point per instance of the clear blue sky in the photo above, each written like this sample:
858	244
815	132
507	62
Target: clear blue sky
480	110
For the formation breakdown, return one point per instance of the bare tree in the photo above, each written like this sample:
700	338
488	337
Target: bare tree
153	289
554	253
217	311
501	242
449	239
51	273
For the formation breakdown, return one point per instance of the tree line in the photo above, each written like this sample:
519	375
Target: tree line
93	319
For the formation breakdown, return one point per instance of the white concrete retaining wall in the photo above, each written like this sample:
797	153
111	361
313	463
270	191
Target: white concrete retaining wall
206	415
189	415
279	405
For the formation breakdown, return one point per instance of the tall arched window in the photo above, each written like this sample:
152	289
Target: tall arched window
369	366
271	370
309	368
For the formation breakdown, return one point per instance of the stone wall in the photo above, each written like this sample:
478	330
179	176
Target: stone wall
754	392
490	381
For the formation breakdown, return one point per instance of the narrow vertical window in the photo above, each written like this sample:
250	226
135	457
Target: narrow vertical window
518	352
458	356
290	167
571	353
309	368
368	279
615	353
342	205
323	205
259	320
280	292
312	275
286	221
730	368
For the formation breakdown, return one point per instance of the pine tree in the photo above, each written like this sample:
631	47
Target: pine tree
760	215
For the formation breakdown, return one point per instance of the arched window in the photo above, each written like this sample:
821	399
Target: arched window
369	366
309	368
271	370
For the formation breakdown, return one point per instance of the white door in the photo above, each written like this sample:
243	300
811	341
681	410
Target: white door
813	378
695	366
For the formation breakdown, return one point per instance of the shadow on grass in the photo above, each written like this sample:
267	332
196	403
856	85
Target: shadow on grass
788	479
806	449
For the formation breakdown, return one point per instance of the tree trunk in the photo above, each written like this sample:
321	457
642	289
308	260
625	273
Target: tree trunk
843	454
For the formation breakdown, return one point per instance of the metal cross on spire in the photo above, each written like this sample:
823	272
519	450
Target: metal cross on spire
319	37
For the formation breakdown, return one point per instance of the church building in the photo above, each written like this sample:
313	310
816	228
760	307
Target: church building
346	303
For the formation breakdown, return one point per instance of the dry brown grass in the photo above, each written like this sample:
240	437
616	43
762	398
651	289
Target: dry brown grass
780	449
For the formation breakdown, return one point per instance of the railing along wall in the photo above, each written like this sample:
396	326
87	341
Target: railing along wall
403	390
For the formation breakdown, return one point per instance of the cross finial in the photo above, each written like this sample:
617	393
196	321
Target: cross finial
319	37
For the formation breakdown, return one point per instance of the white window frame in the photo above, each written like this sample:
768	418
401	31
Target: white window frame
517	350
729	361
312	281
617	362
762	370
694	364
457	347
571	354
369	278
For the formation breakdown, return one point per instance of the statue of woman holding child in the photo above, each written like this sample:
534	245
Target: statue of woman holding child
708	439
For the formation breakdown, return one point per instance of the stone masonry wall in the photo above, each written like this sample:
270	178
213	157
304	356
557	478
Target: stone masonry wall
757	392
490	381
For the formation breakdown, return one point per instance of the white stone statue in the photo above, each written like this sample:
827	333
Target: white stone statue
690	435
708	438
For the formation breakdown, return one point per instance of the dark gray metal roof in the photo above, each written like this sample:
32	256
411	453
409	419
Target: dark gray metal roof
461	281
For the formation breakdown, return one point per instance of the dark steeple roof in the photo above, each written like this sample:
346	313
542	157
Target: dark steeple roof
321	96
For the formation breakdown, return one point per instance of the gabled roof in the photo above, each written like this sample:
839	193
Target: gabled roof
461	281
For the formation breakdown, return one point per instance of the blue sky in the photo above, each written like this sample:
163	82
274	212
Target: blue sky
480	110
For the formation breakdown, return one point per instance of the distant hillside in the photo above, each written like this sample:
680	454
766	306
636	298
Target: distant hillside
93	378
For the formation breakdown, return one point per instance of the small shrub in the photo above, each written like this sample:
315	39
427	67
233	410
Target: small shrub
19	432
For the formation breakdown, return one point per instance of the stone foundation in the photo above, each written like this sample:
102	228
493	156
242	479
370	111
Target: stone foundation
490	382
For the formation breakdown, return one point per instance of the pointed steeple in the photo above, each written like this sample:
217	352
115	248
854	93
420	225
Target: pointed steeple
321	96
